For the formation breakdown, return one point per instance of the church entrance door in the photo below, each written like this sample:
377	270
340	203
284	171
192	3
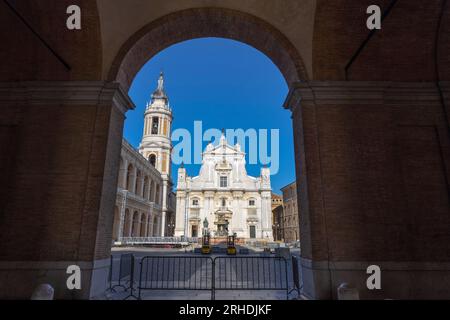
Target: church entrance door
194	231
252	232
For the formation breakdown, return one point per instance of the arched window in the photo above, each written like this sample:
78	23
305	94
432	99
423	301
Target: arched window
152	159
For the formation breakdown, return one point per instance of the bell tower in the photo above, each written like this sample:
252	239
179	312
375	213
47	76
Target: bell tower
156	145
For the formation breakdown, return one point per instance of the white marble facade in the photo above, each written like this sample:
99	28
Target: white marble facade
224	196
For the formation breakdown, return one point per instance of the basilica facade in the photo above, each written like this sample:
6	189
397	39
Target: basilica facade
223	200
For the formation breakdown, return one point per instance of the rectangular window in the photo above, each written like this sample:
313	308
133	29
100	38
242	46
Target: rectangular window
195	202
223	182
251	203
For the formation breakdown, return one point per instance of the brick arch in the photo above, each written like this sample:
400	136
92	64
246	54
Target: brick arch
200	23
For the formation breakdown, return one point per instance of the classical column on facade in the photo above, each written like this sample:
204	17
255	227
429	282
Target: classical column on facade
123	206
133	179
158	226
243	204
236	225
164	207
266	216
140	192
130	223
151	217
147	190
123	174
208	207
179	217
266	205
145	225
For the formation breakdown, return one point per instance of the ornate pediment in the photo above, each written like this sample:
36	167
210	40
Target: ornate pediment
223	165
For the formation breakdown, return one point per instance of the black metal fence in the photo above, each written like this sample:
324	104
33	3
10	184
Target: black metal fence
296	275
208	274
176	273
251	273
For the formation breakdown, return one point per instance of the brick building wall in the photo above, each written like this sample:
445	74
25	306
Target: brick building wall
290	228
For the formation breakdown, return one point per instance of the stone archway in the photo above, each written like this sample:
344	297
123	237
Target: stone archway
372	158
206	22
337	186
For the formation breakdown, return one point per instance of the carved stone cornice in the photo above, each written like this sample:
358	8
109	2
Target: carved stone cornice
238	194
66	93
362	92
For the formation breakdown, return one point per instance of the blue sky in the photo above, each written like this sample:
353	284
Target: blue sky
224	84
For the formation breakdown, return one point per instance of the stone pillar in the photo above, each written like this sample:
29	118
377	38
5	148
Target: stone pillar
150	221
164	207
133	177
130	224
179	218
209	207
163	223
141	185
365	154
123	207
158	226
266	229
74	185
236	222
123	174
147	190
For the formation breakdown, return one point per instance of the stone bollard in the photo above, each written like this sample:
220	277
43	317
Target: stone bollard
345	292
43	292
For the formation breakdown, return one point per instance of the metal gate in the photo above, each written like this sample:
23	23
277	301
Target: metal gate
251	273
176	273
213	274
